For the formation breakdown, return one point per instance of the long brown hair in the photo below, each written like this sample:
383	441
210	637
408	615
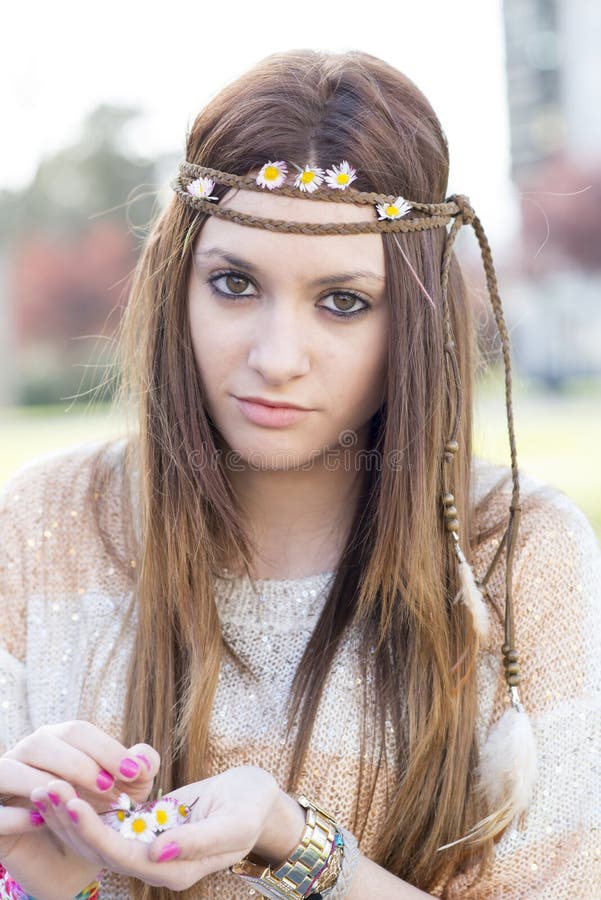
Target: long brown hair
397	576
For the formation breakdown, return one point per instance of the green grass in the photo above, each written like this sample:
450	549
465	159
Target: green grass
558	436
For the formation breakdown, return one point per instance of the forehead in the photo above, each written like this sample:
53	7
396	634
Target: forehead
332	248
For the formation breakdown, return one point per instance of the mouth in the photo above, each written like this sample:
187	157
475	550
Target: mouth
277	404
269	414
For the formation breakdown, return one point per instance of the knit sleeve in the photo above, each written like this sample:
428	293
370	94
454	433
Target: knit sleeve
15	506
554	851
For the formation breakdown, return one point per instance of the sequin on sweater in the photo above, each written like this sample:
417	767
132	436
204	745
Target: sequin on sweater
62	600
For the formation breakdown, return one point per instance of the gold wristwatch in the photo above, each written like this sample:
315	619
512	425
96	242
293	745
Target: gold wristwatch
293	878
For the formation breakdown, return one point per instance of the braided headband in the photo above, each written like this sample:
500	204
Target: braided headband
512	736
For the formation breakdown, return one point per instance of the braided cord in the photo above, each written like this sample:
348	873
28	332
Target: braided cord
457	208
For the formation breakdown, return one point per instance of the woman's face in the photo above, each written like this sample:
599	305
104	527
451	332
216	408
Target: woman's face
266	317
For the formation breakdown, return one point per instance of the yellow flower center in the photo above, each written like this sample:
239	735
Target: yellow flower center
306	177
392	210
183	810
161	816
139	826
271	173
121	815
342	178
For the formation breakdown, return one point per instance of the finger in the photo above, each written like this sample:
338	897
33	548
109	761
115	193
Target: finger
19	817
148	756
80	747
60	820
18	820
214	842
126	856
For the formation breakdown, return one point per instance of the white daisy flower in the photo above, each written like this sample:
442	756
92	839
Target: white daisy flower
309	178
202	187
123	801
184	812
138	827
272	174
163	814
340	176
121	808
394	210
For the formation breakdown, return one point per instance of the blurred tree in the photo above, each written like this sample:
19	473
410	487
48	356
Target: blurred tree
70	240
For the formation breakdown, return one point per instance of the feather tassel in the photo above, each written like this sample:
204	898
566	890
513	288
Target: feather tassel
471	595
507	771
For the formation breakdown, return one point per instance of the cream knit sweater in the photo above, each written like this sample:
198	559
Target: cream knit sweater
62	601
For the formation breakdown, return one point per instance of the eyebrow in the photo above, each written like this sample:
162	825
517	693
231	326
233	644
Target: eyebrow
337	278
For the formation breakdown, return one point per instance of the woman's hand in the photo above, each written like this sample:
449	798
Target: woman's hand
94	763
240	810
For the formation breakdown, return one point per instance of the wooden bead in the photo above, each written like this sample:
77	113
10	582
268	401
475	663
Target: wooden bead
448	499
452	524
451	446
450	512
512	669
512	656
505	649
513	680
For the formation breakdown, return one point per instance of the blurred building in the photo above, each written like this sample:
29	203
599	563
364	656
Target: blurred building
554	98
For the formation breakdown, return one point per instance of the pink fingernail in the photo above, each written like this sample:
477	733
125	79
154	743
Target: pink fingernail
129	767
73	815
54	798
39	804
145	760
104	780
36	818
169	851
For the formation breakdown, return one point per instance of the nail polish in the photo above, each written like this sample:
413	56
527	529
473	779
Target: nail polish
129	767
104	780
144	759
39	804
73	815
36	818
54	798
169	851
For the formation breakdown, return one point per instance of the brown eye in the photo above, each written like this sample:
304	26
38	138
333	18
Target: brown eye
346	301
235	283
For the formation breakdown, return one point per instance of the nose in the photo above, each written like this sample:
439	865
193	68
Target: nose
279	347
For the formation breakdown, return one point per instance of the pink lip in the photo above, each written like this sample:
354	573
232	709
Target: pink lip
271	416
276	403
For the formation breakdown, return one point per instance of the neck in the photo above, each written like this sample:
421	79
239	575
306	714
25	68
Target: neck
299	520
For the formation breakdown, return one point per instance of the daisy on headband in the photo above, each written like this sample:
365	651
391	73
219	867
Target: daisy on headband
395	210
272	174
202	187
340	176
309	178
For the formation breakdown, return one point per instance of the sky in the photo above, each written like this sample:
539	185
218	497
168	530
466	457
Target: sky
60	60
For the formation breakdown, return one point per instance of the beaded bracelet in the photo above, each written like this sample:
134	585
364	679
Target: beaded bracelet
11	890
349	865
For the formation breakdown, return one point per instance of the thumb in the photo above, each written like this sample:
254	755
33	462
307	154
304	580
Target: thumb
217	835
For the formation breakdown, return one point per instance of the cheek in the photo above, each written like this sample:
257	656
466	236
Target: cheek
358	374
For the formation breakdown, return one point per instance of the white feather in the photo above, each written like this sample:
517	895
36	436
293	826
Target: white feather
470	594
508	762
506	773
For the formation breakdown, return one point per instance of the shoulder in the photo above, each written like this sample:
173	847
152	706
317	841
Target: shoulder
556	571
49	500
55	476
550	522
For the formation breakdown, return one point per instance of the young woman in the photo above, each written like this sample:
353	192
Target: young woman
240	602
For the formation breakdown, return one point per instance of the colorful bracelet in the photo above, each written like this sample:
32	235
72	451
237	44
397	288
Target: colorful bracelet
11	890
